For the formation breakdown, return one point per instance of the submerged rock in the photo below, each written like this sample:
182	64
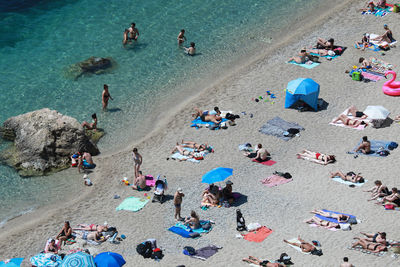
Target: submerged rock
43	142
92	65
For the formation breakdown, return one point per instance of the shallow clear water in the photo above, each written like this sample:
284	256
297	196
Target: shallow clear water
40	39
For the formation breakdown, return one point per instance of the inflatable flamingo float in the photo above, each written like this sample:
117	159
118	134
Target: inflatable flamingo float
391	87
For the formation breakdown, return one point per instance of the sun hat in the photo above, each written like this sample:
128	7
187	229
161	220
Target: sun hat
85	176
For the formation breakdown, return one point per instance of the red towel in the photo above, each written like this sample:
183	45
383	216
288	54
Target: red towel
259	235
267	162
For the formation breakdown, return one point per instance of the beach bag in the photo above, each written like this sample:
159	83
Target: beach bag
317	252
145	249
383	153
189	251
240	222
157	254
384	47
396	8
356	76
392	145
389	207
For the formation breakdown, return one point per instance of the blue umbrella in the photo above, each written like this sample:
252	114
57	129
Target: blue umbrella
16	262
304	89
216	175
78	259
109	259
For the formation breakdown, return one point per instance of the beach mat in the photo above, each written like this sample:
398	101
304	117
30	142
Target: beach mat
275	180
259	235
375	145
332	219
198	122
377	13
205	252
371	76
373	35
181	232
305	65
132	204
186	231
359	248
266	162
340	180
295	240
277	127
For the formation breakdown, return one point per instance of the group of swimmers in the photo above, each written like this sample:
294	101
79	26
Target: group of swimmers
132	34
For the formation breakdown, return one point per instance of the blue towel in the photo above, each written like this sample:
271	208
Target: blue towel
186	231
198	121
307	66
180	231
332	219
375	145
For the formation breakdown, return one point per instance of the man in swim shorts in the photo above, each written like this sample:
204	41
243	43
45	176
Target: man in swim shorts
365	146
139	183
86	161
133	32
177	203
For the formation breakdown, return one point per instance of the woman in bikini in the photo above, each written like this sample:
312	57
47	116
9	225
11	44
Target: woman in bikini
393	199
193	221
349	122
350	176
320	222
105	96
301	58
322	158
379	237
387	36
379	190
197	147
51	247
91	126
206	117
264	263
137	159
341	218
373	247
305	247
92	227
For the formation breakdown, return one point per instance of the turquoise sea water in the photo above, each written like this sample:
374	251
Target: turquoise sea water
40	39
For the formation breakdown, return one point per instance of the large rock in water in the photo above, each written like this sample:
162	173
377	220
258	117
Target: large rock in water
92	65
43	142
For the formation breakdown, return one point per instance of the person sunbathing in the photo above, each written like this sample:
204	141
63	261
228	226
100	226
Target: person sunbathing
323	223
193	221
324	159
365	146
393	199
370	246
302	57
206	116
379	237
322	52
51	247
210	196
182	151
365	63
93	236
92	227
397	118
305	247
341	218
387	36
197	147
349	122
379	190
381	3
364	41
264	263
65	233
350	176
325	44
370	7
356	113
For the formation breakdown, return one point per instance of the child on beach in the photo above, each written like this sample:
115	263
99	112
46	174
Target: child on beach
181	37
363	43
177	203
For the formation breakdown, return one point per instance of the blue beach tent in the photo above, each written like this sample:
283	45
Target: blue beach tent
305	89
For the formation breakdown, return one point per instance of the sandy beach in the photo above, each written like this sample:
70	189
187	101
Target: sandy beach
282	209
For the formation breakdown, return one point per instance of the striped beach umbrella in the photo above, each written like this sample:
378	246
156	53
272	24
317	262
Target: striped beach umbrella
78	259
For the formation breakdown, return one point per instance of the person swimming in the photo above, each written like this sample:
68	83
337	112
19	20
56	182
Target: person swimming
181	37
191	50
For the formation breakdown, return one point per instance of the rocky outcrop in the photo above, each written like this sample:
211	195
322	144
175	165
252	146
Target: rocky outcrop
92	65
43	142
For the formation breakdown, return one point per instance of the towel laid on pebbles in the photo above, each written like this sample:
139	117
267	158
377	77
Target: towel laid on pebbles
275	180
278	127
132	204
258	235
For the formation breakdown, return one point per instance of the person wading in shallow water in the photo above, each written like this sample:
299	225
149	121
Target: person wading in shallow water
105	96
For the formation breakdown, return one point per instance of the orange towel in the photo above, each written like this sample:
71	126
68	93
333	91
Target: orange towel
259	235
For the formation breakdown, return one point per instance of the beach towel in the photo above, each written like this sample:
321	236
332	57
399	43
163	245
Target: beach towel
275	180
258	235
186	231
340	180
277	127
313	160
332	219
14	262
306	65
377	13
150	181
327	228
206	252
375	147
132	204
346	112
371	76
181	157
295	240
199	123
378	43
265	162
46	259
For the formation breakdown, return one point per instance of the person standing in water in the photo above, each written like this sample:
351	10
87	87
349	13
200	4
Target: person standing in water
181	37
126	37
191	50
133	32
105	96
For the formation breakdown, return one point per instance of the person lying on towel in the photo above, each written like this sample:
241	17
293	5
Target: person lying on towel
347	121
370	246
305	247
261	154
207	116
324	159
320	222
341	218
350	176
259	262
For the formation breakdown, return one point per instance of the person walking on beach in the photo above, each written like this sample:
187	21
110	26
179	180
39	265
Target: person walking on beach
177	203
133	32
137	158
191	50
105	96
181	37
